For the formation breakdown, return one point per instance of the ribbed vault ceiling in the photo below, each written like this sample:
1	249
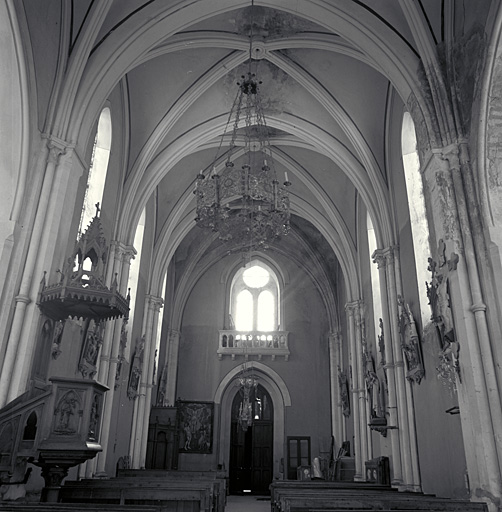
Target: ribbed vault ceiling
328	70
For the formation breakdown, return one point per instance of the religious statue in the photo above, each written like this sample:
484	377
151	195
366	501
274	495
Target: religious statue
136	369
374	389
65	413
344	392
410	342
438	291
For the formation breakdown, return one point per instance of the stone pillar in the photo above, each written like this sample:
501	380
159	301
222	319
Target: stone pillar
335	361
400	377
397	475
123	256
172	365
361	385
114	267
351	308
415	484
142	405
156	304
20	345
481	430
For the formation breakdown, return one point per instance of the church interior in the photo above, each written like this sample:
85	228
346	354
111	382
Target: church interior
250	245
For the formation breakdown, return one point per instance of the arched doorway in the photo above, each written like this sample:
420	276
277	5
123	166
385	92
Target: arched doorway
251	443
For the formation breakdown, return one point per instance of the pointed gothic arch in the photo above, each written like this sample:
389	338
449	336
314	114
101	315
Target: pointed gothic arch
224	396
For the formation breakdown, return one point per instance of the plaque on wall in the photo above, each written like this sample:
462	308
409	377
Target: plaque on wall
196	426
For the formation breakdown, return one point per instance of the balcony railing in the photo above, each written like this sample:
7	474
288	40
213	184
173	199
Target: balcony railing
253	343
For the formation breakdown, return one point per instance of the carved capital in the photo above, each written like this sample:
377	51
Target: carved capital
335	337
57	147
173	335
451	154
352	308
379	258
124	252
154	302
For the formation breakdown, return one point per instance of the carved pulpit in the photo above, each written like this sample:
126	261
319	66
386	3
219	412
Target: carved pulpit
62	414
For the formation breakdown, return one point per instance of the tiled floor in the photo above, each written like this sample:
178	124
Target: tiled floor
247	503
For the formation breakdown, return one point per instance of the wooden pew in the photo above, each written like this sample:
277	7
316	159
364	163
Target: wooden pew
217	477
318	497
72	507
281	488
178	496
375	502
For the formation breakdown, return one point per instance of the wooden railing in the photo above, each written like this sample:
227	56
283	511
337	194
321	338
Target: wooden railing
253	343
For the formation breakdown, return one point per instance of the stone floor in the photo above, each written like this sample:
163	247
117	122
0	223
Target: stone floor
248	503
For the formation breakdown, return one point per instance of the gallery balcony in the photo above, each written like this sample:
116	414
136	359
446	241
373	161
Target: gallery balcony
253	343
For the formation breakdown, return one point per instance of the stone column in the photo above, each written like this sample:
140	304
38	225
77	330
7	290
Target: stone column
156	304
361	385
172	365
415	484
142	405
480	429
20	346
400	377
397	476
335	361
114	267
351	308
123	256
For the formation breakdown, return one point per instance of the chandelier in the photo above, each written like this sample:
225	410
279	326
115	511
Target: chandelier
248	385
246	206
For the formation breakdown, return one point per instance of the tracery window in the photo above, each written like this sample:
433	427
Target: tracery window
255	315
416	205
254	303
98	168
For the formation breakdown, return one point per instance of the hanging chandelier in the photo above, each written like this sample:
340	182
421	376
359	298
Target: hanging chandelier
246	206
248	385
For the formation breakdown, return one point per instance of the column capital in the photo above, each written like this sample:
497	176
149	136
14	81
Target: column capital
57	147
173	335
379	258
155	302
335	339
123	251
449	156
385	256
353	308
335	336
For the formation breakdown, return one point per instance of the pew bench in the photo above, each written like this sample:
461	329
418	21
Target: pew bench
177	496
73	507
217	477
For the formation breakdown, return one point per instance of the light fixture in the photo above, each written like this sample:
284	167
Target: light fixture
248	384
248	207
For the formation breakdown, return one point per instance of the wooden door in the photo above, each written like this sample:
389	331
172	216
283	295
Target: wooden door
251	455
261	475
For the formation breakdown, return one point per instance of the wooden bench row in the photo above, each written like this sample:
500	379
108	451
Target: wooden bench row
171	491
310	497
73	507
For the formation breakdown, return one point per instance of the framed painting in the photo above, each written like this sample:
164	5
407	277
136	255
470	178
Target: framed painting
196	426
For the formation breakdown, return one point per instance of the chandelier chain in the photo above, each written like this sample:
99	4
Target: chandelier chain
247	207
